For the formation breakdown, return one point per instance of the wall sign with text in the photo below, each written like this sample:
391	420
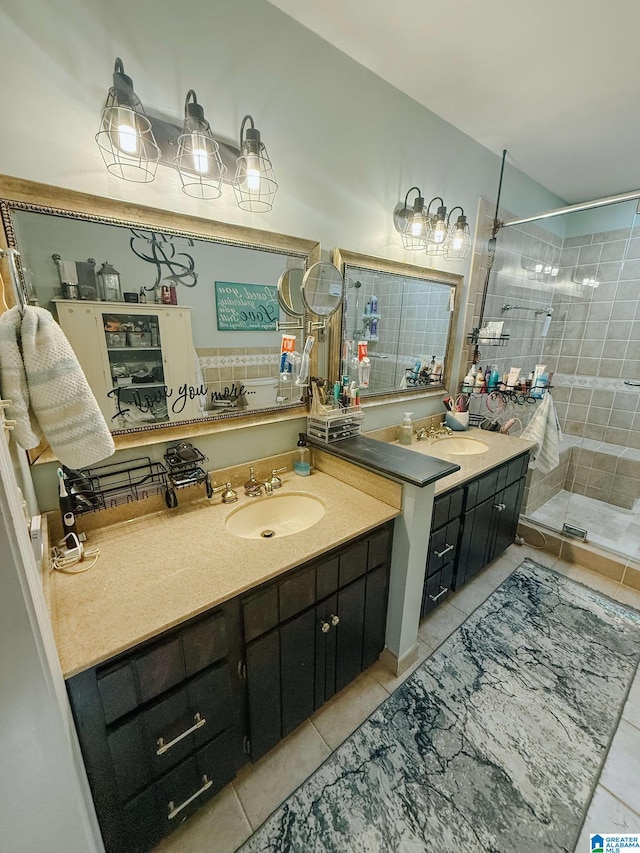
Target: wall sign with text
246	307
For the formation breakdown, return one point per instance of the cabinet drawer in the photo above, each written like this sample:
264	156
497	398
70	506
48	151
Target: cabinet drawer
517	468
156	739
479	490
139	678
353	562
443	546
437	588
446	507
378	549
297	592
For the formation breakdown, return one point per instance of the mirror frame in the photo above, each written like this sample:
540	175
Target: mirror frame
344	257
18	194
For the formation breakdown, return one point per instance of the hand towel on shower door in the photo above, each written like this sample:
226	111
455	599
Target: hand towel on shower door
60	396
544	429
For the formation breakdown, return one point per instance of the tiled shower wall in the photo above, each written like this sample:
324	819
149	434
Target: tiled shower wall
592	345
593	341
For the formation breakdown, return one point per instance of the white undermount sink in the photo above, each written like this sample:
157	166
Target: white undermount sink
275	516
460	446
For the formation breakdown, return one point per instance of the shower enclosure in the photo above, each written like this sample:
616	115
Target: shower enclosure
567	290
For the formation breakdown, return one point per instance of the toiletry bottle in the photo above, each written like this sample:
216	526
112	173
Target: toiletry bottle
494	378
479	381
406	429
468	382
142	298
302	465
374	304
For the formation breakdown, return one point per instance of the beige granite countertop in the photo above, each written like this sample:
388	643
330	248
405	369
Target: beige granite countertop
501	448
158	570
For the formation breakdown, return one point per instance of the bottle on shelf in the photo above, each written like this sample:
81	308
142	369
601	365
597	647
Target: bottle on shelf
479	381
494	378
468	383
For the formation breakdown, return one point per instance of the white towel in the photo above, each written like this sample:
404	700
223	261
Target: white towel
51	395
544	429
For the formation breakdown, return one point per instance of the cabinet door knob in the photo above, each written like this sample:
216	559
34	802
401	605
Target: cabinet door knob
335	620
325	627
499	507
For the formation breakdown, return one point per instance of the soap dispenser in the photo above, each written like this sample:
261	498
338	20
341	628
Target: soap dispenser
406	429
302	465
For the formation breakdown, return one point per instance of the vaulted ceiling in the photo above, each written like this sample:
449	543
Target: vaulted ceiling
556	82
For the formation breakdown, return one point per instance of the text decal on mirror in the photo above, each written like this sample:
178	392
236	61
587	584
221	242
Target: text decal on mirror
246	307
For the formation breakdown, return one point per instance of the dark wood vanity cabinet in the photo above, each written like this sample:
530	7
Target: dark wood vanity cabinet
166	725
161	728
472	525
490	518
310	634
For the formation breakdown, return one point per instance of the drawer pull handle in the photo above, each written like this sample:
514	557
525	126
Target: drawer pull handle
446	550
443	590
500	507
199	722
325	627
175	810
335	620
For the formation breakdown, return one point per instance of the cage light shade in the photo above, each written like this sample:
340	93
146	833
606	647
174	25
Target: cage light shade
125	137
198	159
458	243
438	232
415	227
254	182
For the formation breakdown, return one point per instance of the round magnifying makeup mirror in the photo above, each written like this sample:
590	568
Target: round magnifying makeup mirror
322	289
290	292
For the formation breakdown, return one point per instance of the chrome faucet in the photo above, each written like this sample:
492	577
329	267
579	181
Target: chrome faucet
433	433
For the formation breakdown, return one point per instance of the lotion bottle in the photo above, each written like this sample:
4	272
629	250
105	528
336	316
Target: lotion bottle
406	429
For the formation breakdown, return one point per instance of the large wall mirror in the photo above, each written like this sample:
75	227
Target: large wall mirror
407	316
187	330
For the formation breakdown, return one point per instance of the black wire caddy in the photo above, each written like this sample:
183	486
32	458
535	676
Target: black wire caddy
119	483
184	470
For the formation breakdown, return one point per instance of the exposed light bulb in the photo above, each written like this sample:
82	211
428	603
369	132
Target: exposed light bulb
547	269
585	282
253	173
439	232
538	267
417	225
127	139
458	237
199	153
555	270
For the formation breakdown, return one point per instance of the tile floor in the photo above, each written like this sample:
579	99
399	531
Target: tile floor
613	527
229	819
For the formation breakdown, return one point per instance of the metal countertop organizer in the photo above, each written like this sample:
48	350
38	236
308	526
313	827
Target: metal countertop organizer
118	483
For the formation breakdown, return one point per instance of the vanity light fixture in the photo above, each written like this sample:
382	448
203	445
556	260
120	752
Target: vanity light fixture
437	234
254	182
125	137
133	143
458	243
198	159
415	223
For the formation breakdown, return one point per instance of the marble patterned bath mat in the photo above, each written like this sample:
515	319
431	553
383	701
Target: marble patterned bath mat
493	744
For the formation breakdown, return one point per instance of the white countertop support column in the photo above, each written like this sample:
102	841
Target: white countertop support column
408	566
